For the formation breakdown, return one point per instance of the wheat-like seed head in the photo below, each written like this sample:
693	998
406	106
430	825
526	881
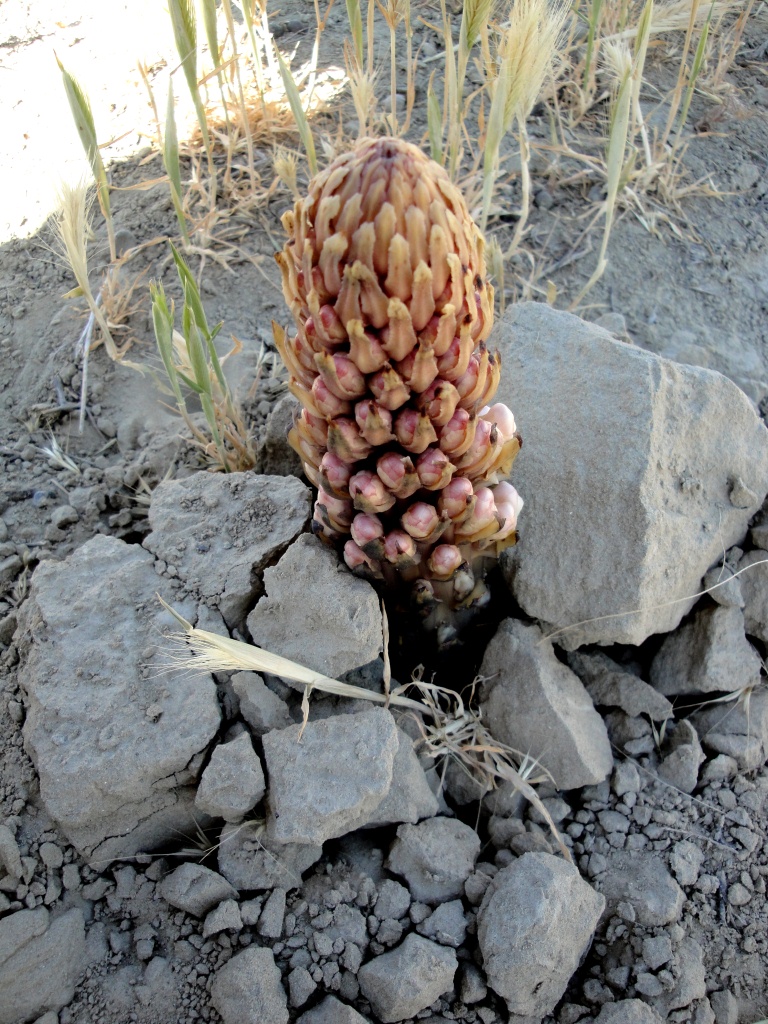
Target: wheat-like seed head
527	51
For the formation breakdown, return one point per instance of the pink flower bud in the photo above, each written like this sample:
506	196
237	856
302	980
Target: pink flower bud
444	561
375	422
434	469
366	528
369	493
481	445
453	364
414	430
334	475
329	328
389	389
508	505
503	418
484	521
339	508
420	520
458	433
357	560
439	401
456	498
398	474
313	428
399	548
346	442
327	403
341	375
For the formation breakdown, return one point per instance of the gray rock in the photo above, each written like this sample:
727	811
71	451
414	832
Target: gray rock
223	918
247	989
250	860
611	686
447	925
642	880
534	703
737	728
301	986
275	454
233	782
709	653
406	980
754	587
435	858
725	1006
195	889
219	531
472	987
271	920
332	781
10	856
686	860
259	706
332	1011
691	981
628	1011
409	798
117	779
720	767
535	924
657	950
393	900
40	961
682	757
723	586
624	509
316	612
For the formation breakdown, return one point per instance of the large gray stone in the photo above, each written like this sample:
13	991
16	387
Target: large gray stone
708	654
233	781
250	860
247	989
332	780
628	1011
316	612
219	530
435	858
117	744
259	706
632	486
535	924
406	980
534	703
40	962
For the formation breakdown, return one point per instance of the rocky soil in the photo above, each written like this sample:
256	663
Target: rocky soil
172	851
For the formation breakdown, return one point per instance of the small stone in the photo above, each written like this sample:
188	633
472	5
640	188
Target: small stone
233	782
657	950
472	987
393	900
260	707
725	1007
435	857
10	857
247	989
271	921
626	779
51	855
642	879
64	516
408	979
754	587
250	860
609	685
331	1011
195	889
447	925
686	860
224	918
300	986
628	1011
739	895
683	755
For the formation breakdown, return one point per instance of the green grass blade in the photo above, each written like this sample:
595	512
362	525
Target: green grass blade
162	320
594	19
211	31
86	129
356	28
192	298
299	115
434	123
185	35
172	164
698	60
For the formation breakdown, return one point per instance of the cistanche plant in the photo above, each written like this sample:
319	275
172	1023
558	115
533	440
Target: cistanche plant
384	272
